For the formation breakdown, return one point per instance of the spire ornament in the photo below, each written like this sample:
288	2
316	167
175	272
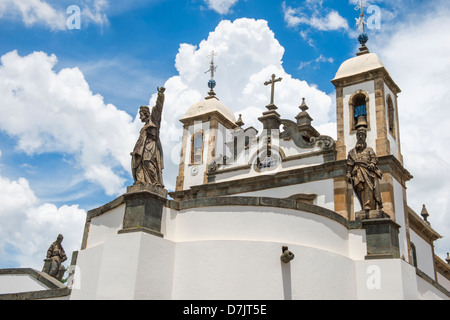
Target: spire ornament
363	38
212	83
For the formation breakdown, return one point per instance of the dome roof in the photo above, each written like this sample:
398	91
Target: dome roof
359	64
211	104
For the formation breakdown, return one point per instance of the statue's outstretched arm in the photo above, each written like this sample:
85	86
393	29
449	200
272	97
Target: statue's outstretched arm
158	108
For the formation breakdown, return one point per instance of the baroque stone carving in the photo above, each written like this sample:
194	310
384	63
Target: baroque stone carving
304	139
147	157
55	257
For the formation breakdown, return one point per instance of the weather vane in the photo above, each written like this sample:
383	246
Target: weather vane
361	22
212	69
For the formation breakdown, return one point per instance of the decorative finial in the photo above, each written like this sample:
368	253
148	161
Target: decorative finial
240	123
212	69
303	118
425	214
448	258
272	106
361	22
303	106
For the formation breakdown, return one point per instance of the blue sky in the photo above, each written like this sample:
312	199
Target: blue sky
70	97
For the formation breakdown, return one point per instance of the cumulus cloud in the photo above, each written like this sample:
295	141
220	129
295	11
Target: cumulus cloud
53	14
221	6
29	227
50	111
422	70
248	54
315	16
34	11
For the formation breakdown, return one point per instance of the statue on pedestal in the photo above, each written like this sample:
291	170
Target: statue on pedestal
364	175
147	157
55	257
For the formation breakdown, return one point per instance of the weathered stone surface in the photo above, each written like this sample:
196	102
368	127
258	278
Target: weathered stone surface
382	239
143	209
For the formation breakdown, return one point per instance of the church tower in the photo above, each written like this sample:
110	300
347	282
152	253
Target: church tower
206	125
366	96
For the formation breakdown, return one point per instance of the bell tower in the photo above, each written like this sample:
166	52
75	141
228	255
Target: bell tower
366	96
205	130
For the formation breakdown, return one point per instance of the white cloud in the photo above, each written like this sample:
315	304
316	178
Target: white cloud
315	62
221	6
34	11
422	70
53	13
248	55
56	112
312	16
29	227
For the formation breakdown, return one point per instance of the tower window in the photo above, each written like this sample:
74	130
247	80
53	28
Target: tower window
391	118
359	110
197	148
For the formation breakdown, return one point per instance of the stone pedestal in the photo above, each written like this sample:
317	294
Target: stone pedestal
382	239
143	210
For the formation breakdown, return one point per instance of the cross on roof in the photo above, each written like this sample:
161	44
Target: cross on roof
213	68
272	82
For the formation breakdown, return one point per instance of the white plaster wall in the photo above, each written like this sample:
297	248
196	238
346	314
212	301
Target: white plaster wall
87	273
443	281
189	179
399	207
20	283
282	166
251	270
290	149
393	141
424	254
230	253
105	225
428	292
386	279
263	224
323	188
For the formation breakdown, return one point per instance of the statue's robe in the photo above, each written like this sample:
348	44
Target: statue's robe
147	162
365	179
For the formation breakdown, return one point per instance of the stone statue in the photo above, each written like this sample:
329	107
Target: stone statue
363	173
55	257
147	158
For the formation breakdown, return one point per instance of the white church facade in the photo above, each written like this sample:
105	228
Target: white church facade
269	215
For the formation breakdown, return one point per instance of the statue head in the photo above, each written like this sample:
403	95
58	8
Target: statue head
60	238
144	112
361	135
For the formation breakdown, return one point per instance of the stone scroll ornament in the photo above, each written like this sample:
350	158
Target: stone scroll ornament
147	160
55	257
364	175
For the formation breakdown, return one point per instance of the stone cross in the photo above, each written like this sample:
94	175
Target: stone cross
272	82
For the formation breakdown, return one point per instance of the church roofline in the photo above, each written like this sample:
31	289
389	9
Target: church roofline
368	75
214	114
421	227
